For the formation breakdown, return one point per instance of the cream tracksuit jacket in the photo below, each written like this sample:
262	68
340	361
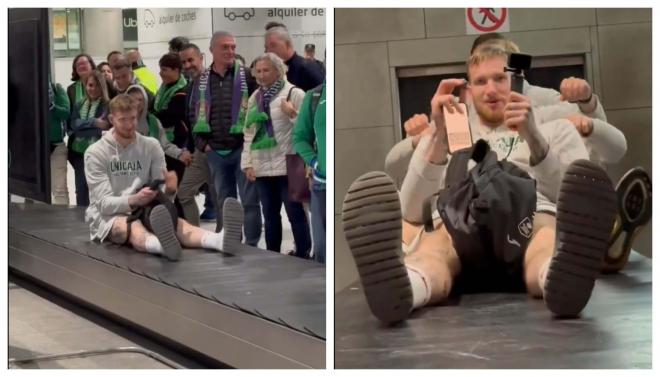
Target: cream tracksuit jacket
114	173
605	145
424	179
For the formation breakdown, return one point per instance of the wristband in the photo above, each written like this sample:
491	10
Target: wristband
588	100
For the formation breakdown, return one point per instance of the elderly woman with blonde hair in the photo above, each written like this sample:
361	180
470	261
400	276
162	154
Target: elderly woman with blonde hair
268	135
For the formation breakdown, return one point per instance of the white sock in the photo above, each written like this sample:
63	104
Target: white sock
543	274
414	243
212	240
421	291
152	245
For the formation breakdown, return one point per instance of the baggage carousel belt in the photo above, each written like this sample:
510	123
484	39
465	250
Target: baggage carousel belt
505	330
282	289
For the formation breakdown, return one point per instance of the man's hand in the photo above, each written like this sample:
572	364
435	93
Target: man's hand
444	98
583	124
142	197
309	175
439	147
207	148
250	174
517	113
170	181
518	116
185	157
288	109
575	90
416	125
102	124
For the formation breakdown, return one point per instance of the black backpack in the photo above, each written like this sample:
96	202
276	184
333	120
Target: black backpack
488	212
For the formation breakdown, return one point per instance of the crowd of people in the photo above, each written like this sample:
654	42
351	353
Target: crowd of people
226	129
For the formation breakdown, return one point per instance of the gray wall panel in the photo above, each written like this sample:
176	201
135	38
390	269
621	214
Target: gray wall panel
625	54
550	18
358	151
362	84
373	25
623	16
429	51
456	49
444	22
636	125
573	40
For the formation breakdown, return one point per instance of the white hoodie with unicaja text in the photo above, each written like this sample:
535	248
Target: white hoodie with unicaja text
114	173
424	178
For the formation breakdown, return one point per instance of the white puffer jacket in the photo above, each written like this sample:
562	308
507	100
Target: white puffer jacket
272	162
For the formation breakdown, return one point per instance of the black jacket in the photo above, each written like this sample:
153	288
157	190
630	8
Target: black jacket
303	73
78	127
174	117
220	111
71	92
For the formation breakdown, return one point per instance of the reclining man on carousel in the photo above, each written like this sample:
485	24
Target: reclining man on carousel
533	213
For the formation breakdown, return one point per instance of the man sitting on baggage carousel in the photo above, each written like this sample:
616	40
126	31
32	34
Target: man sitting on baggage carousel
125	172
533	214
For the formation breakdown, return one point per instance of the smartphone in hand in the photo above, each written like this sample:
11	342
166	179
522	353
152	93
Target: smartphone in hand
156	184
459	135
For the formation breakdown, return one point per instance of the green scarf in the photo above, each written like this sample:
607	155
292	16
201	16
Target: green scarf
238	106
153	130
164	94
87	111
152	122
259	116
239	109
79	92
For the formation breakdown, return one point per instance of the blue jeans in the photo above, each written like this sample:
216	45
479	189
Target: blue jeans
82	191
317	207
226	174
208	202
273	192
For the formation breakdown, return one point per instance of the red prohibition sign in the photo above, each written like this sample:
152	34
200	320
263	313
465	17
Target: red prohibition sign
489	14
